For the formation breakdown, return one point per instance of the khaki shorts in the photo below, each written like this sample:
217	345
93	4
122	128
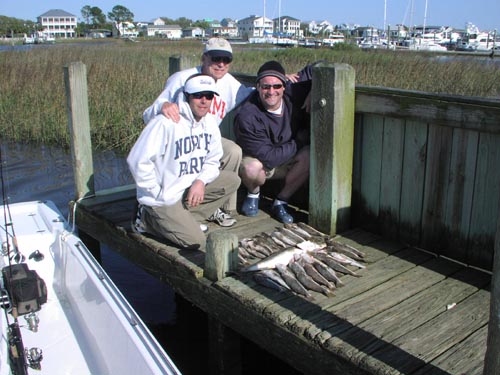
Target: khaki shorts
276	173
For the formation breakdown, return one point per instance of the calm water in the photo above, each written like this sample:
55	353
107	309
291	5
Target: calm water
45	173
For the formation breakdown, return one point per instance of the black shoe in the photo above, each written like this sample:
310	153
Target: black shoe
280	213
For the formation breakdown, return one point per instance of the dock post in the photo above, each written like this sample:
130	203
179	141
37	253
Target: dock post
224	344
492	357
176	63
332	147
75	78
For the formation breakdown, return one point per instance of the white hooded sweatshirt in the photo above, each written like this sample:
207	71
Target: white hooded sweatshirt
167	157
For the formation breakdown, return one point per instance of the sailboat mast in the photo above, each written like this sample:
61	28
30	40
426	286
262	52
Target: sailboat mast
425	18
385	14
279	18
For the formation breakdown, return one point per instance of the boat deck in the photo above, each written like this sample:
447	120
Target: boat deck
410	312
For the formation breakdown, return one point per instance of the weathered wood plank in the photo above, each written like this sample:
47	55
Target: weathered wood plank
486	202
464	358
323	327
374	333
391	176
451	111
431	339
371	167
458	207
412	184
75	78
332	143
436	186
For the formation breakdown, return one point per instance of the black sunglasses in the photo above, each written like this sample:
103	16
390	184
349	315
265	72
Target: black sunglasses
276	86
218	59
199	95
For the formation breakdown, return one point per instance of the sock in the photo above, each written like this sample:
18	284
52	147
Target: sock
253	195
277	202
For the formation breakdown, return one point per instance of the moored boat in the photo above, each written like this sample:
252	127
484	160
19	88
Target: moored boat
62	313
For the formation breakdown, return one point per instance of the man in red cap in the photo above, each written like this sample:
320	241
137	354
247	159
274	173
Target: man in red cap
215	62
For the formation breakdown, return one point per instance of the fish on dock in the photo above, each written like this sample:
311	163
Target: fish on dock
315	274
306	280
292	281
271	279
344	259
332	263
312	231
323	269
282	257
345	249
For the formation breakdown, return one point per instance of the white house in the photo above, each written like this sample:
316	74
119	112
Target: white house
321	28
287	26
125	29
165	31
193	32
57	23
255	26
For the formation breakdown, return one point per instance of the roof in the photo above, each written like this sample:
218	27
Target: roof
57	13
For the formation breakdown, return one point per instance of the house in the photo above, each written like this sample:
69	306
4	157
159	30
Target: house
321	28
229	28
193	32
287	26
164	31
255	26
57	23
125	29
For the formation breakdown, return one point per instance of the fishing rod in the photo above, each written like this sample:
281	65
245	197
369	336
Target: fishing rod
16	348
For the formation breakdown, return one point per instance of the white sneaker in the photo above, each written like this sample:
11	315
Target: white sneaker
137	225
222	218
204	228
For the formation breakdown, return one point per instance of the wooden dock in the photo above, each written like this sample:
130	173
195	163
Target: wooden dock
392	173
410	312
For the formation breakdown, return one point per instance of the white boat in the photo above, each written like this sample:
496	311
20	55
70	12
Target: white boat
70	318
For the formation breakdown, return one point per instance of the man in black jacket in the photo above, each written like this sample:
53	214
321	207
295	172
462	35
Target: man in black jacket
274	142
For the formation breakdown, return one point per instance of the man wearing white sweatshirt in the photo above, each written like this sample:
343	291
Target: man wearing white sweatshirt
216	61
176	169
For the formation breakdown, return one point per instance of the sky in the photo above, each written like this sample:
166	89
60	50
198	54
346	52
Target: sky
485	14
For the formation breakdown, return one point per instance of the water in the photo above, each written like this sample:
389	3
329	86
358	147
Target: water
45	173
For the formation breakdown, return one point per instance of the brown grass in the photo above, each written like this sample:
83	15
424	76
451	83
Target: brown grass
124	78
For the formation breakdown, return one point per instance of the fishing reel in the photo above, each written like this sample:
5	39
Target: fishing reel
34	357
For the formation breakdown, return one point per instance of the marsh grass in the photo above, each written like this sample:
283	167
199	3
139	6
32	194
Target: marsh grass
125	78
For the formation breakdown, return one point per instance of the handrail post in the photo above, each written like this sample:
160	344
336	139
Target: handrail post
75	77
492	357
332	147
221	258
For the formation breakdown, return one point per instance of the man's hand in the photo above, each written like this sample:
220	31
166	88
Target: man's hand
293	77
196	193
171	111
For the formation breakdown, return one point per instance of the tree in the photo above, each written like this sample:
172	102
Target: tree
119	14
98	17
86	13
184	22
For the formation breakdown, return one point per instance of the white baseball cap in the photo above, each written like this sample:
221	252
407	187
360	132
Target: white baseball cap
200	83
218	47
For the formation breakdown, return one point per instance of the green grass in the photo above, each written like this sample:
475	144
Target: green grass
124	78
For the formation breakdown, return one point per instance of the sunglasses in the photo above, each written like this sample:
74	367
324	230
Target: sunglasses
276	86
206	95
218	59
